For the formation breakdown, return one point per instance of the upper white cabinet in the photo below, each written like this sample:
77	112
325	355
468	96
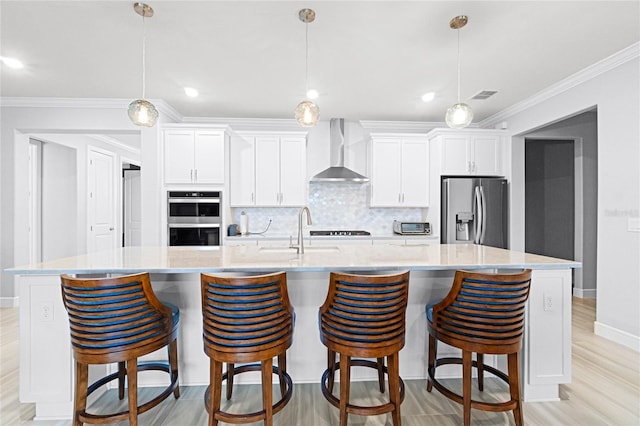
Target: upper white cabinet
400	170
468	152
268	169
194	156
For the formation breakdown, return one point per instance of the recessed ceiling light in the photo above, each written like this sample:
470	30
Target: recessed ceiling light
11	62
428	97
191	92
312	94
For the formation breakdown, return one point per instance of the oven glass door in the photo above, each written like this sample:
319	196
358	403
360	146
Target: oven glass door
193	208
194	235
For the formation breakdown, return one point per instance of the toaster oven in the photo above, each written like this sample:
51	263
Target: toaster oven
411	228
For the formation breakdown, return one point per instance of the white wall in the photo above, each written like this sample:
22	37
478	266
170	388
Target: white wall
18	123
616	94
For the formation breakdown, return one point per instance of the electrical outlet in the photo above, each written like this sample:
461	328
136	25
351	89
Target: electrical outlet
46	311
548	302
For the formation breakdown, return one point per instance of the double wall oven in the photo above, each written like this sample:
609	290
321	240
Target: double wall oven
194	218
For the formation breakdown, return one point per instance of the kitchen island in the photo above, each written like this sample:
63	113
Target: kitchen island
46	374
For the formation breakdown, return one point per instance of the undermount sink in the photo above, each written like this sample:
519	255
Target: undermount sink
284	249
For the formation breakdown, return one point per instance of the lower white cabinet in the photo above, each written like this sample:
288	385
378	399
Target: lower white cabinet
400	171
268	170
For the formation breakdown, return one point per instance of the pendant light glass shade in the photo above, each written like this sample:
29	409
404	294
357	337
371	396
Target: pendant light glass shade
459	116
307	114
143	113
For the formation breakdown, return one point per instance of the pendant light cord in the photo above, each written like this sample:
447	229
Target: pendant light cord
306	58
144	53
458	65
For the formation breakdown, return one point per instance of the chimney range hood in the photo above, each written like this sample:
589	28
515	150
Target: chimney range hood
338	172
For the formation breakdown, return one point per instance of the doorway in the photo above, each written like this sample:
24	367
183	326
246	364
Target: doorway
550	197
131	205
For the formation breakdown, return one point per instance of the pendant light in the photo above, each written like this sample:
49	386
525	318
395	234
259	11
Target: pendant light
460	114
142	112
307	113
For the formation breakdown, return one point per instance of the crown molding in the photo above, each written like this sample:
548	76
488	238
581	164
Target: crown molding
104	103
401	126
249	124
589	73
115	143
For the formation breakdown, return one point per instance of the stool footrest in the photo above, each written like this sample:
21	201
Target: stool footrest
480	405
359	409
257	415
124	415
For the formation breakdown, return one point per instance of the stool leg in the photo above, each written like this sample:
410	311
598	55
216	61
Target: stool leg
80	404
173	364
267	391
431	366
466	386
513	361
132	390
331	365
345	385
215	390
381	374
282	368
480	364
394	387
230	373
121	376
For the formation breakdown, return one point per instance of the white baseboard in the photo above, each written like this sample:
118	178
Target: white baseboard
9	302
618	336
589	293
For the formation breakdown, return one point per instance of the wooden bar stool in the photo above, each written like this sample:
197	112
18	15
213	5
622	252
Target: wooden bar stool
118	320
483	313
364	316
246	319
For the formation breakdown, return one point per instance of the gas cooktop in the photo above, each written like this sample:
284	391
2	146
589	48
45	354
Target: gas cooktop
339	233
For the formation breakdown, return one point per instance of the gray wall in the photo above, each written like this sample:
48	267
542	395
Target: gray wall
582	128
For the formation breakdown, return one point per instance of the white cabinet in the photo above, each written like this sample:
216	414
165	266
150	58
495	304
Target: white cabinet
469	152
400	171
194	156
268	170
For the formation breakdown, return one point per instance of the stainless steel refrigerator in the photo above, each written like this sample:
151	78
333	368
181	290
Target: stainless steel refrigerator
475	211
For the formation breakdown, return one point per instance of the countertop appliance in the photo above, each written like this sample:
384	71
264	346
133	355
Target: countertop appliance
338	233
411	228
194	218
475	210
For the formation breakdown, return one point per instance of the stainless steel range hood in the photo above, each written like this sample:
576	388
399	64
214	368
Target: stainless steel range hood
338	172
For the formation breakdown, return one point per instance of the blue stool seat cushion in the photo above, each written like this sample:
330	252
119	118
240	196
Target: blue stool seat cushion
429	310
175	312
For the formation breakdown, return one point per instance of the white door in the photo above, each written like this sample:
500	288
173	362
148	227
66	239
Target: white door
455	155
101	213
386	173
132	209
209	157
267	171
178	156
242	172
415	174
293	172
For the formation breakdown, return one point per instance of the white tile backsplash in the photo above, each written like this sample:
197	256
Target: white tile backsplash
333	206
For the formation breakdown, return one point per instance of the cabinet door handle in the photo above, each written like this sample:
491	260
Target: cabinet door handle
403	198
191	175
399	197
252	197
196	179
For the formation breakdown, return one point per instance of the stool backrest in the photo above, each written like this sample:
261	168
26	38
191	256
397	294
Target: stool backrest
247	313
109	315
485	309
365	311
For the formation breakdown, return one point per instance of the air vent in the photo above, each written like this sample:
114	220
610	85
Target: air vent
484	94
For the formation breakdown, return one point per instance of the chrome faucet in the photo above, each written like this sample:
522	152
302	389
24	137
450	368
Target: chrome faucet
300	245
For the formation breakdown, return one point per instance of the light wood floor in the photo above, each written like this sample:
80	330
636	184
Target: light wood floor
605	390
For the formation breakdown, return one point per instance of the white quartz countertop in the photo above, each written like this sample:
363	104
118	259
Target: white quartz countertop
351	257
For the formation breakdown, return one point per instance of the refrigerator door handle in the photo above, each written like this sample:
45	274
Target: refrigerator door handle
483	201
478	218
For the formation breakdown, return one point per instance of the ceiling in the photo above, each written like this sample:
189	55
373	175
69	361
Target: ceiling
369	60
